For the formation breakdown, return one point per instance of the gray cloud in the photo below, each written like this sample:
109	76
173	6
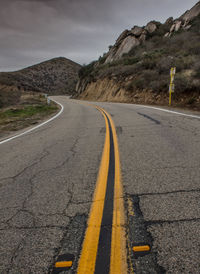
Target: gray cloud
35	30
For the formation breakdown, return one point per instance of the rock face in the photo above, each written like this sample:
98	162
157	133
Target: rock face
128	43
81	85
122	36
129	39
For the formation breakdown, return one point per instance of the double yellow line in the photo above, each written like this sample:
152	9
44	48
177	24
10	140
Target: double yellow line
118	256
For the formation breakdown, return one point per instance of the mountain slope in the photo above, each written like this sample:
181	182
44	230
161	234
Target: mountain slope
56	76
136	68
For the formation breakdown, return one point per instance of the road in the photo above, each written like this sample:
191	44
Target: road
49	176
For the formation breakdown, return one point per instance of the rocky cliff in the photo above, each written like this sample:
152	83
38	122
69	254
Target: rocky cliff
140	61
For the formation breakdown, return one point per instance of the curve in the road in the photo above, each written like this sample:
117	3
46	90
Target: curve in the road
62	108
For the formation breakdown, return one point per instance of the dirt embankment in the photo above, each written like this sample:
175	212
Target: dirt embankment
115	91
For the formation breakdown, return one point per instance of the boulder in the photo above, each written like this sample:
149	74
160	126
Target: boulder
177	25
169	21
136	31
151	27
187	27
172	28
128	43
168	34
122	36
142	37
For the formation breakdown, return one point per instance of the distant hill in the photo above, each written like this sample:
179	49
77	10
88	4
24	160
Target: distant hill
136	68
56	76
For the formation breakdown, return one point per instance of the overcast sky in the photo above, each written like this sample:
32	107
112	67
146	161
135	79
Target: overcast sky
32	31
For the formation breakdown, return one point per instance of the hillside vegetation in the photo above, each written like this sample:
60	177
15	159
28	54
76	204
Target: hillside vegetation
22	100
145	68
56	76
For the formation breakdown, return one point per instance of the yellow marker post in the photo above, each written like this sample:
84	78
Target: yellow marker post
171	86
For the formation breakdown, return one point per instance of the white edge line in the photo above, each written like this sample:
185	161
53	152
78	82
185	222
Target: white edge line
170	111
40	125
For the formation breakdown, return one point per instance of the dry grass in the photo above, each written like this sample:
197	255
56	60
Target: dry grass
31	109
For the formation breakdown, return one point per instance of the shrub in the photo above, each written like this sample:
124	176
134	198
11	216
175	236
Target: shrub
130	86
140	83
130	60
150	75
164	64
195	48
197	73
195	24
191	101
148	63
160	85
182	84
86	70
102	59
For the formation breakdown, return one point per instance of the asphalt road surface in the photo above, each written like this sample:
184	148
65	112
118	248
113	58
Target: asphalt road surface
48	178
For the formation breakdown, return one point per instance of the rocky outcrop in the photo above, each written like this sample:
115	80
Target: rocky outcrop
127	44
137	31
176	26
129	39
81	85
169	21
191	14
122	36
151	27
184	21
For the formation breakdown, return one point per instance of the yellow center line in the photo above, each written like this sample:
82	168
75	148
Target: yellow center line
118	260
91	240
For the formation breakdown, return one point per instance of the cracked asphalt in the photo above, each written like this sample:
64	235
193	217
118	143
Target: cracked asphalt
48	178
